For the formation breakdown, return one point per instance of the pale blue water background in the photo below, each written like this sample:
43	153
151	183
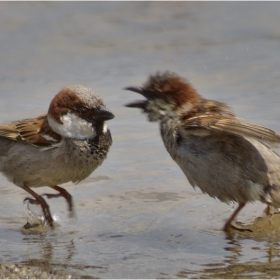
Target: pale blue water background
137	216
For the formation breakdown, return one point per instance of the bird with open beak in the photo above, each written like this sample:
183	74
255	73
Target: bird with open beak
225	157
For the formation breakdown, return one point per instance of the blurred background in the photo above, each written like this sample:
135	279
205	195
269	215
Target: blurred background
137	216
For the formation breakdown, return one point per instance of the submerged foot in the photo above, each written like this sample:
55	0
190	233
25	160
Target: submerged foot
229	227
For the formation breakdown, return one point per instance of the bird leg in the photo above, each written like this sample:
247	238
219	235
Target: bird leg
39	200
62	192
228	224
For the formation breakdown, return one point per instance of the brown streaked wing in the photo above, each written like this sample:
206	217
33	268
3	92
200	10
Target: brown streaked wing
35	131
9	131
233	126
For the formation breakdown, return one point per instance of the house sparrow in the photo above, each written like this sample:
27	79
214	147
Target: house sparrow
225	157
66	144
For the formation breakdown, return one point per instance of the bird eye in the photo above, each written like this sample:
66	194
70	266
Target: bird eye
83	112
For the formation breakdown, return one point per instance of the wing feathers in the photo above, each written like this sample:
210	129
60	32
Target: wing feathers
9	131
233	126
34	131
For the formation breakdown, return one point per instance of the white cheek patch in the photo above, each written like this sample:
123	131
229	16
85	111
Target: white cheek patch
105	128
72	127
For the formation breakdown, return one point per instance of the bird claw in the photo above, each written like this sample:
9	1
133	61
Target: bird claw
62	193
46	212
29	226
31	200
44	205
230	227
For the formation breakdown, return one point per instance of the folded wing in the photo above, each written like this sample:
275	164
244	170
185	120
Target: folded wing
34	131
233	126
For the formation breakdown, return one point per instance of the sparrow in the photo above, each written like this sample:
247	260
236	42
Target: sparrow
225	157
66	144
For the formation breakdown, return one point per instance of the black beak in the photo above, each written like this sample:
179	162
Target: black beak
136	89
104	114
138	103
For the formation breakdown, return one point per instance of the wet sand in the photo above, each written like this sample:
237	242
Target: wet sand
24	272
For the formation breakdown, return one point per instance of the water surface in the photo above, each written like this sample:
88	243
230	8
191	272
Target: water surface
137	216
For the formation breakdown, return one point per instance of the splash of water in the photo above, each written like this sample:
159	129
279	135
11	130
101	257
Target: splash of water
34	213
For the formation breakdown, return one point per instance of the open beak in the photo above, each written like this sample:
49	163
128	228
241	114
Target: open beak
138	103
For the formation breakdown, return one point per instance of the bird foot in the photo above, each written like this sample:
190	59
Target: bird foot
229	227
62	193
29	226
46	218
31	201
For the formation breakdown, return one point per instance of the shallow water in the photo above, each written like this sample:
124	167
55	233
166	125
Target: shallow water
137	216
